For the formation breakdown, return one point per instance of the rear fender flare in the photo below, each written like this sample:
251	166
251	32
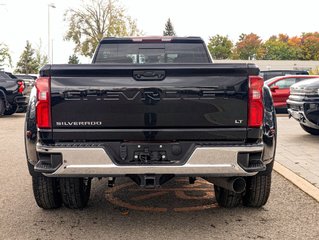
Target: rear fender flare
30	132
4	97
269	126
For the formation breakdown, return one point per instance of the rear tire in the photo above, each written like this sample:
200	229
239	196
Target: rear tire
2	107
257	190
46	192
12	109
22	109
310	130
75	192
226	198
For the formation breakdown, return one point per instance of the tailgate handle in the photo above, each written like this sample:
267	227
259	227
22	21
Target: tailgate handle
149	75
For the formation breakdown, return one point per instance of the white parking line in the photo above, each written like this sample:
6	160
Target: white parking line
298	181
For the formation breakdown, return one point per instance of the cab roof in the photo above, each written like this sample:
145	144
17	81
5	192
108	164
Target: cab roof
153	39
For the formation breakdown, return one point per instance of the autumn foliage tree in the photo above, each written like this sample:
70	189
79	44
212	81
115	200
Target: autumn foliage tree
248	47
280	48
94	20
310	46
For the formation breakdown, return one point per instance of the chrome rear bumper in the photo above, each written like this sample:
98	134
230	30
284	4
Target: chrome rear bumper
204	161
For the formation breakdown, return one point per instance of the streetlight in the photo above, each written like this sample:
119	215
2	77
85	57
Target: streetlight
2	66
50	5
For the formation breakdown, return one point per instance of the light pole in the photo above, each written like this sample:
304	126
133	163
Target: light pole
51	5
2	66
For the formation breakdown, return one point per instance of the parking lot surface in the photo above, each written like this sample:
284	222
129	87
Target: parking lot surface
176	211
298	150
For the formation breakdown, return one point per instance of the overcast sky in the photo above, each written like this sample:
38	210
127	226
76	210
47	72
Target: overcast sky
22	20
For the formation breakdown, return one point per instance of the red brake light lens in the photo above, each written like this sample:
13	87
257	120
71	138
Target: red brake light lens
21	86
255	102
43	104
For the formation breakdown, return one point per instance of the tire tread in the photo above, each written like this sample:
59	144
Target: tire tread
258	190
73	194
46	192
2	106
226	198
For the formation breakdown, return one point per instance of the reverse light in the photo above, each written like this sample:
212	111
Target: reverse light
43	104
255	102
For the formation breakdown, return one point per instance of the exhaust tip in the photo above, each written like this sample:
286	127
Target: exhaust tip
239	185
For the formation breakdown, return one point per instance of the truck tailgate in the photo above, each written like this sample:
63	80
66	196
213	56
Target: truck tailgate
100	101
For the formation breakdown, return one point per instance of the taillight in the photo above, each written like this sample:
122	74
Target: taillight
21	86
255	102
43	104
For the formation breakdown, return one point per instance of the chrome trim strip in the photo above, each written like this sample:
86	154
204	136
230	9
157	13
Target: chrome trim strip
219	160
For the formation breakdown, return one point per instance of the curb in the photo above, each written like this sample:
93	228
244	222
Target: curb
298	181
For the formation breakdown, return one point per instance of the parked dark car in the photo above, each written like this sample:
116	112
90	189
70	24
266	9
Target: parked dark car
28	85
11	94
280	88
303	104
275	73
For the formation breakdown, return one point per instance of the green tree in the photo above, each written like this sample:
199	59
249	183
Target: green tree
220	47
5	57
73	59
27	62
248	47
89	23
40	57
169	29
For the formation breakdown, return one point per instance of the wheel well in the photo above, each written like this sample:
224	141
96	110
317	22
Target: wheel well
3	96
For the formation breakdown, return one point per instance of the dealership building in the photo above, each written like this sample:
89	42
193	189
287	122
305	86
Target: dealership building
277	65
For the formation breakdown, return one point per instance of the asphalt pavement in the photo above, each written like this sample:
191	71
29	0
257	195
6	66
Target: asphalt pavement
176	211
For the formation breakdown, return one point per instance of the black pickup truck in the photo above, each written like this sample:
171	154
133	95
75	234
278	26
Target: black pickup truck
11	94
150	108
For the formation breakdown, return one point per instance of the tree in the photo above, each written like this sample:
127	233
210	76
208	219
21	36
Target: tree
248	47
220	47
283	37
41	58
169	29
73	59
280	48
95	20
27	62
310	46
5	57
